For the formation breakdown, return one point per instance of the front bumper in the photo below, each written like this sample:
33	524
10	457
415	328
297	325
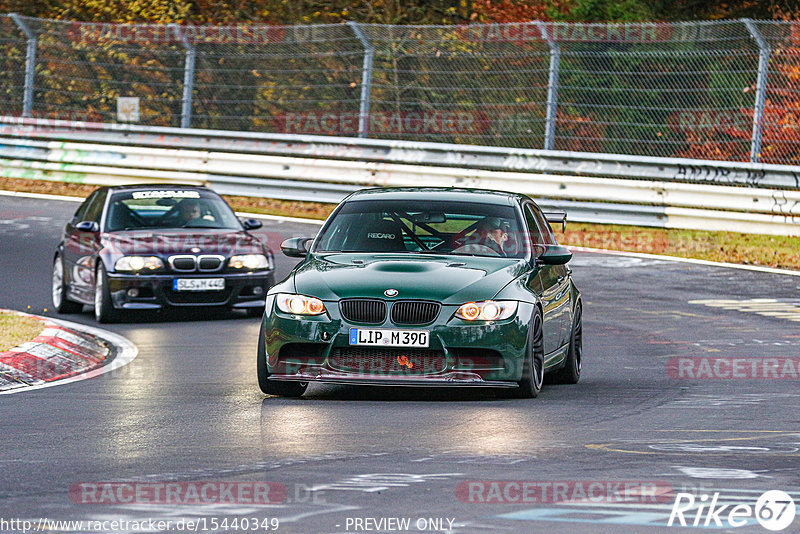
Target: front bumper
317	349
152	292
454	380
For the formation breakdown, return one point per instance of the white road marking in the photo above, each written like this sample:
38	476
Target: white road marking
719	473
280	218
788	309
695	261
40	196
740	400
375	482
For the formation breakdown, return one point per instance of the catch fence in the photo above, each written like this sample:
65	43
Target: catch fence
724	90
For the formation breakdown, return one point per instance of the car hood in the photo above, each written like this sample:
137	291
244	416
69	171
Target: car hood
165	243
447	279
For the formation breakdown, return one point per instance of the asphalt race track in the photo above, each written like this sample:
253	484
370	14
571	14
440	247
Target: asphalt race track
188	410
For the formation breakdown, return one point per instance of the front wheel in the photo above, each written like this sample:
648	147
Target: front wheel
271	387
104	310
60	301
533	365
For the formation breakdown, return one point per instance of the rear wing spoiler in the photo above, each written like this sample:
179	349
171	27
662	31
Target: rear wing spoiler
555	217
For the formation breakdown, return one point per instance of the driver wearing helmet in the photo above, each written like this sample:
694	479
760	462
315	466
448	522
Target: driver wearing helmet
489	238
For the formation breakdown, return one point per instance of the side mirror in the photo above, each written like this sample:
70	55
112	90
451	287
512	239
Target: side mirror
554	255
296	247
88	226
251	224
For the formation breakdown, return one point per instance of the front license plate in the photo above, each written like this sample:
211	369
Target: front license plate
389	338
198	284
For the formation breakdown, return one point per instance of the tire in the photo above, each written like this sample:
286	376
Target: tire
533	366
271	387
59	290
104	311
571	372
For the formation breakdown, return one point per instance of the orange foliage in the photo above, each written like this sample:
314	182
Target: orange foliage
715	144
577	133
510	10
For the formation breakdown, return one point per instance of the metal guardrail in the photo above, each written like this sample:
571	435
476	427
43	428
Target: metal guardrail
600	187
434	154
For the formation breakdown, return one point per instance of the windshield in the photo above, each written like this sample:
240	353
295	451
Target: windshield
168	208
438	227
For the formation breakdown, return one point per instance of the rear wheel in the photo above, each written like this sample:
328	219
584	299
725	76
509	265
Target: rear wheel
60	301
271	387
571	372
533	366
104	310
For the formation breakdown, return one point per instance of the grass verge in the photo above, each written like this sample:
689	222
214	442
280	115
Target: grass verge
731	247
17	329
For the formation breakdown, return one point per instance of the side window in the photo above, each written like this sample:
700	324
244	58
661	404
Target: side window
95	209
533	226
80	214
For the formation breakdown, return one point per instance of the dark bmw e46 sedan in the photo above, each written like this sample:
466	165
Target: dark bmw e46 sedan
425	287
148	247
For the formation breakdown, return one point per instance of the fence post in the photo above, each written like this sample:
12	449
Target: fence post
552	87
188	77
366	79
30	64
761	89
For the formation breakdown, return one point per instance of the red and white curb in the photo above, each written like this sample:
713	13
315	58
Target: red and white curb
63	352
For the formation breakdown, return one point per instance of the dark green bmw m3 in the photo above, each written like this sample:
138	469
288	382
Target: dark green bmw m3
425	287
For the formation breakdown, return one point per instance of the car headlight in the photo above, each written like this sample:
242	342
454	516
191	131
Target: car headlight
487	310
138	263
300	305
249	261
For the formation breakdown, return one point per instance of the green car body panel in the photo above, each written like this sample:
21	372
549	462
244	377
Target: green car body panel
472	353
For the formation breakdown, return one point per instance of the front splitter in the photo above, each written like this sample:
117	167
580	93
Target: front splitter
373	380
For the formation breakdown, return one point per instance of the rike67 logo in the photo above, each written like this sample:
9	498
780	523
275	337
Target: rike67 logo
774	510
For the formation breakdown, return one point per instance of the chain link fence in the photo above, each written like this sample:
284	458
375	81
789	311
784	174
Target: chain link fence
726	90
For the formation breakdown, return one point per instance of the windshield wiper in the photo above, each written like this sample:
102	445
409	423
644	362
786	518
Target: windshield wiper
189	225
368	251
